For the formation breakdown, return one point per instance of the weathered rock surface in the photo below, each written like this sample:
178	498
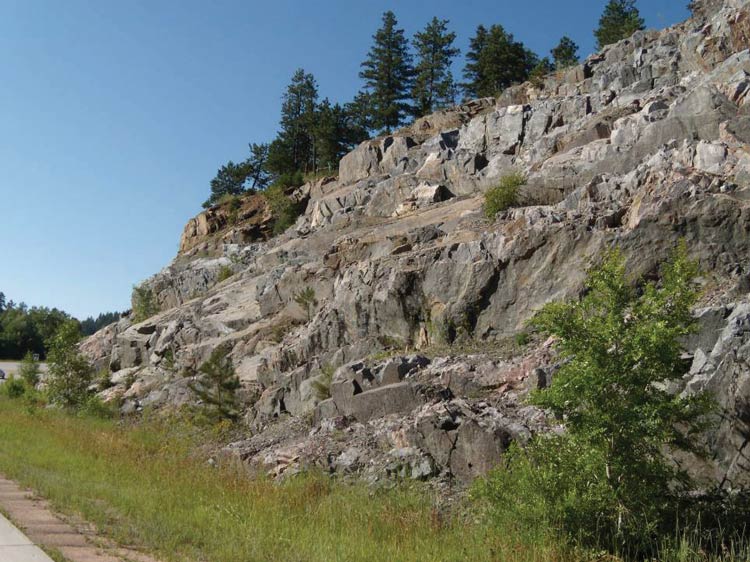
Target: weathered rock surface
643	144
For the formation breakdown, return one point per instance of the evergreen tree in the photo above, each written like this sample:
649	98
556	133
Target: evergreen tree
474	70
565	54
434	87
229	180
330	127
388	75
495	61
2	302
359	116
619	21
294	148
258	177
217	385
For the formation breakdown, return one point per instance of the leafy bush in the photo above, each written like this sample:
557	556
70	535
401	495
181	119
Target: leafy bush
605	482
29	371
70	374
143	301
503	196
13	387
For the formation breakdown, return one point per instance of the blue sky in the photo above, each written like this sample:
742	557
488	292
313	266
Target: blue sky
115	115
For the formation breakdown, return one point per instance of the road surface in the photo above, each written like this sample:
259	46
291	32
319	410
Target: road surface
11	367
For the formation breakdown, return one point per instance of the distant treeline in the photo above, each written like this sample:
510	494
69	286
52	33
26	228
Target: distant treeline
26	329
402	79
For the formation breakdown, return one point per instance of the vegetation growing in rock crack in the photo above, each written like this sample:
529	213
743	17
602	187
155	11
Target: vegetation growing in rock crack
322	384
224	273
216	386
144	303
307	300
504	195
605	482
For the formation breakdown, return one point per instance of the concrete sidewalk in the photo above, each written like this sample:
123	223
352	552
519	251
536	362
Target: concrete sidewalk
17	547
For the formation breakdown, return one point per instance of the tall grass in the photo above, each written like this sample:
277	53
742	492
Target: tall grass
143	486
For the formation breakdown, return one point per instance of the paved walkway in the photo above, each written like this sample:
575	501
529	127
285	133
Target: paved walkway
76	540
17	547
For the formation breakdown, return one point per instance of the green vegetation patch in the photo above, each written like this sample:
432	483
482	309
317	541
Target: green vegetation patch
503	196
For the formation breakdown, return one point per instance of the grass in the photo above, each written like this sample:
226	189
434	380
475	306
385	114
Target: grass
149	486
144	485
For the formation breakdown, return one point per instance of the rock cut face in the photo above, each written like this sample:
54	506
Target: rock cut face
417	296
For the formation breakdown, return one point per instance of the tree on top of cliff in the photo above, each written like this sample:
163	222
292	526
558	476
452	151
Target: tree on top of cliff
388	75
619	21
565	54
294	148
495	61
233	179
434	87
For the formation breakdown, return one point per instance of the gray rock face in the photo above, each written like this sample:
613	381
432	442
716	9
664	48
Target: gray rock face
641	145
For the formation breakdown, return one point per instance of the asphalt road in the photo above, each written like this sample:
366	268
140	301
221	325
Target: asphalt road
11	367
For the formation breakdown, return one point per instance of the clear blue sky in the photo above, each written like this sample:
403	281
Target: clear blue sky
114	115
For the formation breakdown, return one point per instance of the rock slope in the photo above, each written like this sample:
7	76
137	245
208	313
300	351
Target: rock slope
418	297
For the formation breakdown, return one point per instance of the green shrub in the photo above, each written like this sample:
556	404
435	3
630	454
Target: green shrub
224	273
104	379
144	303
522	339
13	387
95	407
284	209
29	371
605	483
503	196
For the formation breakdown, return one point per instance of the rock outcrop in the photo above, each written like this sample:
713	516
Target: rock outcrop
418	296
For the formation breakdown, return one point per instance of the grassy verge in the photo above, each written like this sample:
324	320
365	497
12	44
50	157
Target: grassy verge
142	486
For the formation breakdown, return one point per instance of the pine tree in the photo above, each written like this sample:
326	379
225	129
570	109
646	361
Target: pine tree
496	61
388	75
217	385
619	21
359	115
565	54
434	87
234	179
229	180
294	148
258	176
473	70
330	135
